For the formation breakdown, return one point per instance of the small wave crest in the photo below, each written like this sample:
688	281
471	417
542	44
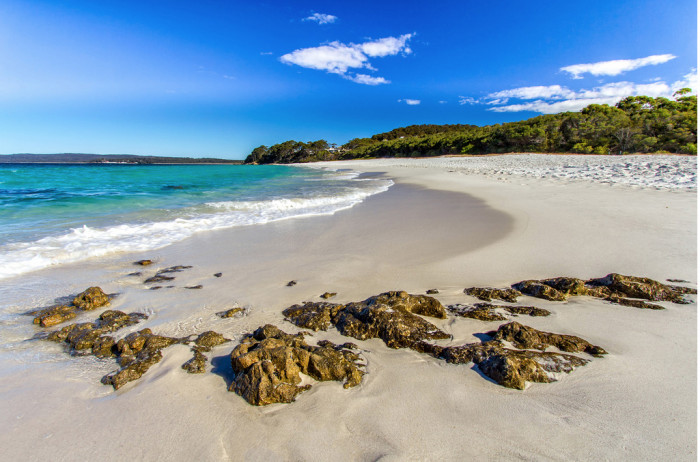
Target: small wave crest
86	242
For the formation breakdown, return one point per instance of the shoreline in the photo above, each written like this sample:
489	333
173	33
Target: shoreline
432	229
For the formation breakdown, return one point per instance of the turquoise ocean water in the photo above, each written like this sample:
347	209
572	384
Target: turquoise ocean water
57	213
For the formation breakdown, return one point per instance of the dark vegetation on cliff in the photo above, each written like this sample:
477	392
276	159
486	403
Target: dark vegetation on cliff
635	124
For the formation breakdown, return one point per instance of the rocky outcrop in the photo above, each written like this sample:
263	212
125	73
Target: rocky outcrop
616	288
198	363
267	365
327	295
489	312
90	299
487	294
391	316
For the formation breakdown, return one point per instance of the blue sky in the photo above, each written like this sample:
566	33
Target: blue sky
218	78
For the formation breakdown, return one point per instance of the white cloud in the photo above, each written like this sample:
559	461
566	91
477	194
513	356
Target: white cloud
568	100
367	79
615	67
468	100
551	91
321	18
387	46
339	58
410	102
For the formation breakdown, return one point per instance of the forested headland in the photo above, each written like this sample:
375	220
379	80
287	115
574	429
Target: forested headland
639	124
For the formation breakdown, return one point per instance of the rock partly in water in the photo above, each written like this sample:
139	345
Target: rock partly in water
230	313
90	299
174	269
487	294
54	315
268	363
158	278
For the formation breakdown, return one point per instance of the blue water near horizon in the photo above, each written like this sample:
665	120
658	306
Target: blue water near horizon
61	213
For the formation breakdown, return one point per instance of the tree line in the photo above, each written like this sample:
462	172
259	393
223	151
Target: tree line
636	124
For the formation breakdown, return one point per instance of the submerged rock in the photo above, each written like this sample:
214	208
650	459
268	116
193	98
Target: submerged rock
268	363
487	294
158	278
174	269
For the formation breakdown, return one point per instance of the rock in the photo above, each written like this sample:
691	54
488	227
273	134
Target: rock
103	347
539	290
567	286
199	286
133	367
174	269
327	295
398	328
315	316
218	275
678	280
158	278
525	337
526	310
432	291
487	294
136	273
291	283
512	368
196	365
634	303
143	262
54	315
230	313
91	299
482	312
416	304
210	339
268	363
644	288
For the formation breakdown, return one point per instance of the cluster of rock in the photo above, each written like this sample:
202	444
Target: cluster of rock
615	288
267	365
163	275
90	299
393	317
135	353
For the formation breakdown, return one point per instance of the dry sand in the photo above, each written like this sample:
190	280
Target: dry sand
435	228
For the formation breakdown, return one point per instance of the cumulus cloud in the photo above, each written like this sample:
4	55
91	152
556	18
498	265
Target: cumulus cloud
551	91
339	58
468	100
410	102
321	18
615	67
569	100
367	79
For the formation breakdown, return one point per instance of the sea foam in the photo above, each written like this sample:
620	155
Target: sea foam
88	242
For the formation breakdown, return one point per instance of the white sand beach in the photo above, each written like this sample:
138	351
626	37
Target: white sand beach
447	223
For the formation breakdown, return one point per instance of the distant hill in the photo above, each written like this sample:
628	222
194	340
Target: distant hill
73	158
